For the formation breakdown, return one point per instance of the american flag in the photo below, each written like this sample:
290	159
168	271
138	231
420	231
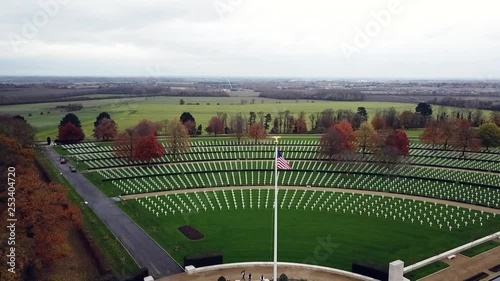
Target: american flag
282	163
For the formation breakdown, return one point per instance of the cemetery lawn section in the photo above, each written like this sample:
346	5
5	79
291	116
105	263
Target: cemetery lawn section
246	235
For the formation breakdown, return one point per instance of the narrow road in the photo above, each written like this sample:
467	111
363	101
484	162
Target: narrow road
141	246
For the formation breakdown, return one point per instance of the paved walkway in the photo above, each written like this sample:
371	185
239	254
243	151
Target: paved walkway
463	267
327	189
142	248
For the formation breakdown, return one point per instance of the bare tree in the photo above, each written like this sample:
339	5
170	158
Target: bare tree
261	116
238	126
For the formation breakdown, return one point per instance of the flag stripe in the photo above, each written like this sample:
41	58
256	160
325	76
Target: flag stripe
282	163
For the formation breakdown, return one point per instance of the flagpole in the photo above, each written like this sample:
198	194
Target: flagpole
276	141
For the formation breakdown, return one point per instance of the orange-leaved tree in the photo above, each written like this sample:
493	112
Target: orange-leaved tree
148	148
106	129
346	128
433	134
215	125
257	132
465	137
379	122
334	144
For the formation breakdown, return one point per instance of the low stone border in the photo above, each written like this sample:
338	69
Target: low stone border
288	264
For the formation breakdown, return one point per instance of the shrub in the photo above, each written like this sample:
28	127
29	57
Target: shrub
29	114
283	277
222	278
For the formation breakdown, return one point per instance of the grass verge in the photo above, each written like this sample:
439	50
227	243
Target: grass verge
479	249
426	270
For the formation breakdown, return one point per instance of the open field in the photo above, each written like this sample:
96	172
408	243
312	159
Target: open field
127	112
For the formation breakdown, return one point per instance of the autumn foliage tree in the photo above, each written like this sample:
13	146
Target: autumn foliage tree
447	131
366	136
301	124
124	144
257	132
18	129
178	140
349	133
102	115
71	118
45	217
465	137
392	147
191	128
433	134
148	148
379	122
215	125
145	128
334	144
41	204
69	133
106	129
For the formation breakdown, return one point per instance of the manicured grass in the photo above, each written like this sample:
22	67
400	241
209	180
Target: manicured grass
338	238
127	112
479	249
105	186
426	270
414	133
121	261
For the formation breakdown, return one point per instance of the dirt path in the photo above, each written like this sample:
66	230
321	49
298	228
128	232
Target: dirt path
463	267
354	191
234	274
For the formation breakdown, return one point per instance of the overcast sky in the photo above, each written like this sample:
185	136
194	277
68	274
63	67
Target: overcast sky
263	38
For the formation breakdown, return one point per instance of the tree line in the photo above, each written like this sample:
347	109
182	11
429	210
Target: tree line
319	94
45	216
466	103
461	135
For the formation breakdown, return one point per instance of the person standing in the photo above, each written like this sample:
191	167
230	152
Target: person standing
262	277
250	277
243	275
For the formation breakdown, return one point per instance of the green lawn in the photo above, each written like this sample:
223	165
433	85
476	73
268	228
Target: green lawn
337	238
426	270
479	249
127	112
121	261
